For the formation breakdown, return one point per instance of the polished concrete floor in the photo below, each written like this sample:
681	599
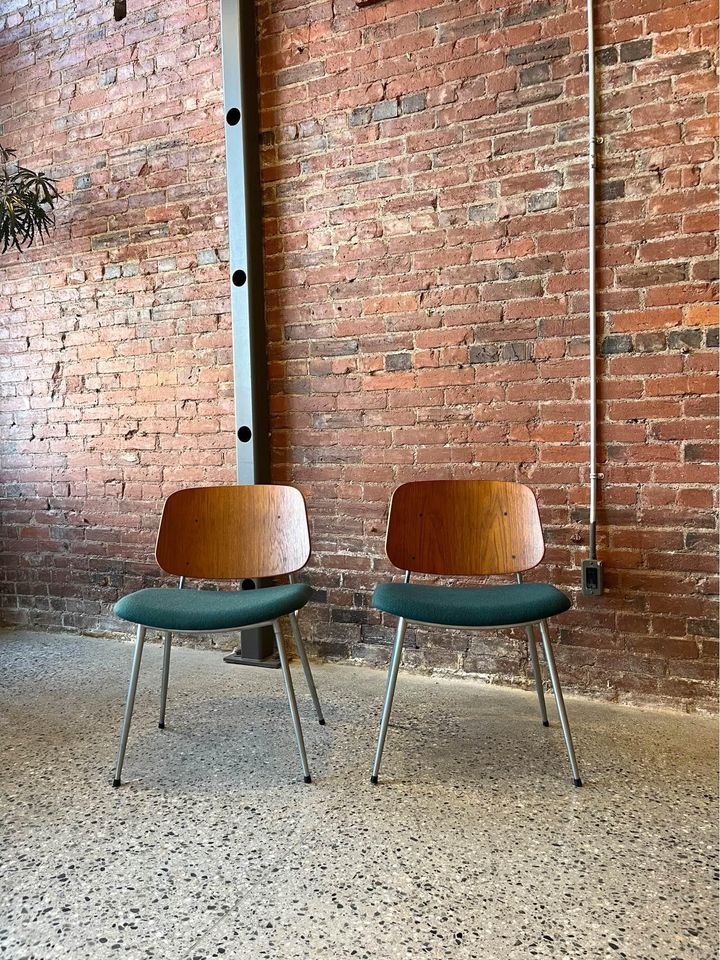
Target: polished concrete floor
474	845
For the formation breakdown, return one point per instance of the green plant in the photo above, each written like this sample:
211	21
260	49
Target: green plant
27	200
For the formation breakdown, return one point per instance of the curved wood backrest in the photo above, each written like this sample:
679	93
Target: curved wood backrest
229	533
464	528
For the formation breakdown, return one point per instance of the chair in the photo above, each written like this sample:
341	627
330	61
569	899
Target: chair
225	533
469	528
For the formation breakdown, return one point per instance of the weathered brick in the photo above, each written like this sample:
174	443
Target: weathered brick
534	11
413	103
611	190
106	241
607	56
300	73
536	73
424	204
385	110
484	353
541	201
543	50
360	116
482	212
468	27
398	361
650	342
635	50
617	343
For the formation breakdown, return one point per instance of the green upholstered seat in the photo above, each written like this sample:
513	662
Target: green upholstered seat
179	610
471	606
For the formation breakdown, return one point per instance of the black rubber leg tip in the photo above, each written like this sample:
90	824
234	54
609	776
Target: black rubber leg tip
578	782
116	783
322	722
308	779
161	726
373	779
546	723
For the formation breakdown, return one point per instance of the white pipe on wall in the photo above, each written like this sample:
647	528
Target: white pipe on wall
592	146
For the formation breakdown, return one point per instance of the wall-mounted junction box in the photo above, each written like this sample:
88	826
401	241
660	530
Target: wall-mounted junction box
592	578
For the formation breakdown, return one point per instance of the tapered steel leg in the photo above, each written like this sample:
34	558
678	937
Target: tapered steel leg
306	666
165	675
129	703
549	656
389	694
291	699
532	649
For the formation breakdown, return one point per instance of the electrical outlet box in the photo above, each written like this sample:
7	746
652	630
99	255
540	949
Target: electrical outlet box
592	578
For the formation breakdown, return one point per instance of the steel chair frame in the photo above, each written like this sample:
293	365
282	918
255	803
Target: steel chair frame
505	564
141	631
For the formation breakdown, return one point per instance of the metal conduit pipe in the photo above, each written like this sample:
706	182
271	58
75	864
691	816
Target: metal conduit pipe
592	568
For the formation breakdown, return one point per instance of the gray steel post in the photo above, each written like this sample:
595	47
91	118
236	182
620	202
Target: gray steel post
252	442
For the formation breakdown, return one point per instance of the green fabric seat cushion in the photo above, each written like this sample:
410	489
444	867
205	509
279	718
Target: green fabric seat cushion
188	609
471	606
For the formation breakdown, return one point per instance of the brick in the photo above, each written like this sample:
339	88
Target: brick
484	353
650	342
635	50
606	56
413	103
385	110
536	73
617	343
398	361
535	11
482	213
469	27
541	201
544	50
424	194
611	190
303	72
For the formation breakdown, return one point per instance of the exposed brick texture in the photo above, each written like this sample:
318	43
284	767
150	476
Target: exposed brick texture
425	193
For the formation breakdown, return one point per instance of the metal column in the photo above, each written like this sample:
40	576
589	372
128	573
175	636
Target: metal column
240	97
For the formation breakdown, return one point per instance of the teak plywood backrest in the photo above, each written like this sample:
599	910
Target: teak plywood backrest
464	528
229	533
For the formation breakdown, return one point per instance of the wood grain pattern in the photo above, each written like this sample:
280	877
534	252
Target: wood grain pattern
229	533
464	528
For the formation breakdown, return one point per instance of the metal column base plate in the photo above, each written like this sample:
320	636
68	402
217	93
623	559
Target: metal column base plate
259	646
272	662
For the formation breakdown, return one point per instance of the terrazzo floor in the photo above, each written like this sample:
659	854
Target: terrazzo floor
474	845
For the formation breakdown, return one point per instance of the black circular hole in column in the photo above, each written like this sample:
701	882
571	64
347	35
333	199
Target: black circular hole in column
244	434
248	584
233	116
239	277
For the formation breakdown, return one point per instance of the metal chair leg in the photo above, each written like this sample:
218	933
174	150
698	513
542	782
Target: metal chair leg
291	700
532	650
549	656
129	703
389	694
306	667
165	675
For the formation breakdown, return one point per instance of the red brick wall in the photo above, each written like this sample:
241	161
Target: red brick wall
425	216
116	362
